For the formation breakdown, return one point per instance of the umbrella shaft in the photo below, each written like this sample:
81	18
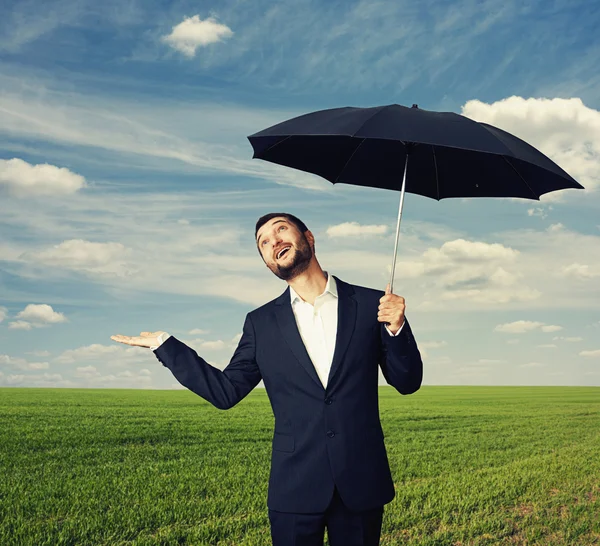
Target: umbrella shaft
398	225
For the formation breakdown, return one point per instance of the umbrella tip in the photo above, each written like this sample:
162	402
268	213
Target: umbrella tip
415	106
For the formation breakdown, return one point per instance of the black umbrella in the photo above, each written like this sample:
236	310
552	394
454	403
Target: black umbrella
450	155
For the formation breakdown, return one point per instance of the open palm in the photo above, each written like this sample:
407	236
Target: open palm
145	339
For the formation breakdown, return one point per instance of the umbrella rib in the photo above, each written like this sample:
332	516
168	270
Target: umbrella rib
274	145
537	197
349	159
379	110
437	178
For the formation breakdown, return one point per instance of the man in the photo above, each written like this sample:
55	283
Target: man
317	348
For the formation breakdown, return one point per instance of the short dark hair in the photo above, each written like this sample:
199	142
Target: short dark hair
290	217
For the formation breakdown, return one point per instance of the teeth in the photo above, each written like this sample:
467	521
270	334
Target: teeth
279	253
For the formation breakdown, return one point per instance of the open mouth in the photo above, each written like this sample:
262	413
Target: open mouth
283	252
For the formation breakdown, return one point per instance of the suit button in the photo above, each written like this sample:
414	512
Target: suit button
330	433
328	401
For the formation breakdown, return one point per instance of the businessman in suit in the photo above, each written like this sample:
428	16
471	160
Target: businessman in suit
317	348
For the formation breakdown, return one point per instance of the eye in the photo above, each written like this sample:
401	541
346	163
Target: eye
266	240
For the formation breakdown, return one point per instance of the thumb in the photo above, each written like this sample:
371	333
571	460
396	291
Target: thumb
387	289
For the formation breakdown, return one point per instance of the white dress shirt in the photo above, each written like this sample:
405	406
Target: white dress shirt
317	325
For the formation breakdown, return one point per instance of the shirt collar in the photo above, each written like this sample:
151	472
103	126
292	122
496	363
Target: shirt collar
330	287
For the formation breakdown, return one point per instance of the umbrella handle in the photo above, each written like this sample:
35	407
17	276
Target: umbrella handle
398	225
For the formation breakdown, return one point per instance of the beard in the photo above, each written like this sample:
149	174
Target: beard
298	264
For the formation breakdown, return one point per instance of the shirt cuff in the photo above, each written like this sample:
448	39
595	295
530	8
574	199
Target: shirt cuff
399	330
161	339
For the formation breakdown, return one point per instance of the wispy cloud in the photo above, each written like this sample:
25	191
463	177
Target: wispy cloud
202	136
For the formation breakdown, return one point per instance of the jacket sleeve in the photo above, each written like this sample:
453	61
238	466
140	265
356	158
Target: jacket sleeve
223	389
400	360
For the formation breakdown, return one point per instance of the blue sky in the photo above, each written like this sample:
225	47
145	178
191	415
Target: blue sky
129	196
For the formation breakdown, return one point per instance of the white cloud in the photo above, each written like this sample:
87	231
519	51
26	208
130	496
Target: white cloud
518	327
471	251
472	270
523	326
21	363
194	32
198	332
593	354
36	380
99	352
3	313
565	130
551	328
538	211
38	353
580	271
25	180
36	316
353	229
19	325
91	376
569	339
201	345
212	345
87	372
41	313
106	259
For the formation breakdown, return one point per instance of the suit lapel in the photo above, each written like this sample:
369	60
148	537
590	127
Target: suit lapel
345	328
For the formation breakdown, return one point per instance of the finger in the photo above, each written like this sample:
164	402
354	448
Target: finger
387	289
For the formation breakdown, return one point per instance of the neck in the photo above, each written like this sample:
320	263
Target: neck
311	283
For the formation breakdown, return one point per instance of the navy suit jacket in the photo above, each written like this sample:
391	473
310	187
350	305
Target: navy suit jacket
323	436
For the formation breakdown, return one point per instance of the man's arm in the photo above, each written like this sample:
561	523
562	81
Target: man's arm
223	389
400	359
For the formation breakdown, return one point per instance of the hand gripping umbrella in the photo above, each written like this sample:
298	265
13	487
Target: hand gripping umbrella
450	155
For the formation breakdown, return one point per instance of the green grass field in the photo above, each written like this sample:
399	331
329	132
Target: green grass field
472	466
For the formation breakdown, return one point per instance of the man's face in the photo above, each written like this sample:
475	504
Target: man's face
275	236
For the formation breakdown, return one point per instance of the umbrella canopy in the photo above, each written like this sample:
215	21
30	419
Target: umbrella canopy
450	155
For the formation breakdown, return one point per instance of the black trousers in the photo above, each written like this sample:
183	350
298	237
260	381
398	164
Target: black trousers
344	528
